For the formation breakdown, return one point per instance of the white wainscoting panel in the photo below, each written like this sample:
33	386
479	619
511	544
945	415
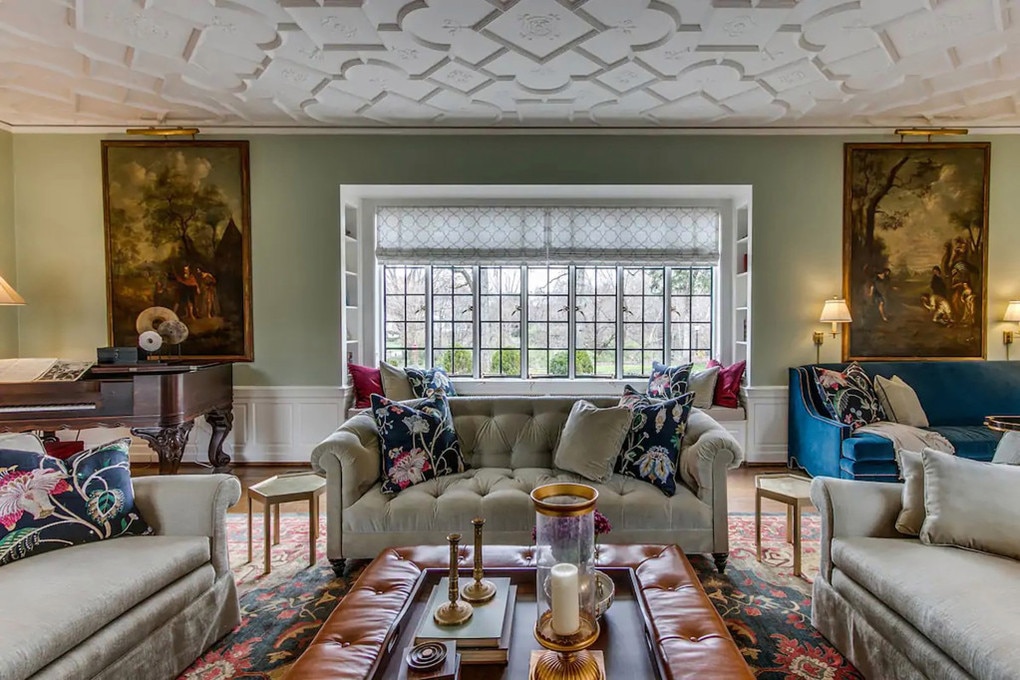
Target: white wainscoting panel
737	428
766	424
281	424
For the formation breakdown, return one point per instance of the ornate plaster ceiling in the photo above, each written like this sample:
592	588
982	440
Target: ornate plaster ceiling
607	63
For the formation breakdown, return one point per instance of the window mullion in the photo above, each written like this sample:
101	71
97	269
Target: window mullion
523	318
667	316
571	321
620	339
428	317
405	322
476	321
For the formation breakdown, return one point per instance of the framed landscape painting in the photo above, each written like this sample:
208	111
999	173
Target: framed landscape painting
178	246
915	250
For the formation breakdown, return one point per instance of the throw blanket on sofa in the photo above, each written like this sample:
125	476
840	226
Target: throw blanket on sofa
907	437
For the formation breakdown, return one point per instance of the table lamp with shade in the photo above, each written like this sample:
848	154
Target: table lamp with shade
834	311
1012	315
9	296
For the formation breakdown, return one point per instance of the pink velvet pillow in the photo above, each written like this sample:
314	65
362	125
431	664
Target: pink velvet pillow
727	387
367	381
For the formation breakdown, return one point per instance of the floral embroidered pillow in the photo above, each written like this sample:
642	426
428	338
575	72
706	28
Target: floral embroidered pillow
47	503
418	443
668	382
651	448
849	396
427	382
631	397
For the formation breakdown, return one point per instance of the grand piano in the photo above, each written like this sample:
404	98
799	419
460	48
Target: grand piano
159	403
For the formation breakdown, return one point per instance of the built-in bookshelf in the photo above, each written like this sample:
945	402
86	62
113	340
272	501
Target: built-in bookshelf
742	286
351	295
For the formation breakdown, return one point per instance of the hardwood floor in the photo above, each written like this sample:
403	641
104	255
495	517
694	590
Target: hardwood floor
740	484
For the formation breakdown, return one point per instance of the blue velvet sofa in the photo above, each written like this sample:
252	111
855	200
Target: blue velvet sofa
955	395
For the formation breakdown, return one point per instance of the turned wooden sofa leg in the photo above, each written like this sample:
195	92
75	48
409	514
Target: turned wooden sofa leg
339	566
720	560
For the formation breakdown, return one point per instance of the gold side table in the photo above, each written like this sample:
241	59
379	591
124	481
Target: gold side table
792	490
285	489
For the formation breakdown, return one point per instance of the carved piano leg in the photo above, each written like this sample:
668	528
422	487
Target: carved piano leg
222	421
167	442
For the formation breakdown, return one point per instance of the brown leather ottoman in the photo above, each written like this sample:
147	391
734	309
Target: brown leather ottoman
691	635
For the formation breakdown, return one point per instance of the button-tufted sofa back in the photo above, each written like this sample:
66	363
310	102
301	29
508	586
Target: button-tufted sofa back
513	432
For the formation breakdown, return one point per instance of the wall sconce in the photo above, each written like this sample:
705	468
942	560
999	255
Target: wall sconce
9	296
834	311
1013	315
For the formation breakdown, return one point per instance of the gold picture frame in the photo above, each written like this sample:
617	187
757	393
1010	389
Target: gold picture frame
915	250
177	219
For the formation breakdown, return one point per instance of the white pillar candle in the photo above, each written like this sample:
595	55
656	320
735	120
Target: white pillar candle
566	614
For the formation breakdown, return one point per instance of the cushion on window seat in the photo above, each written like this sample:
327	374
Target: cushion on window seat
723	414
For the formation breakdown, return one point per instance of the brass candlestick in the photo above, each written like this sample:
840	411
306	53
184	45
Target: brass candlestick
567	656
455	611
480	590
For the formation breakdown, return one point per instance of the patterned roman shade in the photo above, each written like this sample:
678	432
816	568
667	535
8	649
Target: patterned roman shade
539	234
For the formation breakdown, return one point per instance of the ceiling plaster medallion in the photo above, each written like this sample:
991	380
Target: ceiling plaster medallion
539	26
137	26
338	26
739	26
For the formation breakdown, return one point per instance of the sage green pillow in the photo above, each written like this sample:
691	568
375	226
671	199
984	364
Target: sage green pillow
970	504
591	440
702	384
395	385
912	473
900	402
1008	450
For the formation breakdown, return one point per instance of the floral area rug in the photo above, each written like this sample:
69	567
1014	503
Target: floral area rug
766	608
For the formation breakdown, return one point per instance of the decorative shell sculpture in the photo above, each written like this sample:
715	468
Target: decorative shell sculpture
164	321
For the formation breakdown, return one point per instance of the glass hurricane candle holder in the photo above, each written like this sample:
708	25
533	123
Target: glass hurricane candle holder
565	581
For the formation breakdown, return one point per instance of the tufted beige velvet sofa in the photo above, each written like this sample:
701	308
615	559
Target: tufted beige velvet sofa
509	444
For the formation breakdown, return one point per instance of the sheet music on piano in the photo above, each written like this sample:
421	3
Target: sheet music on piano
42	370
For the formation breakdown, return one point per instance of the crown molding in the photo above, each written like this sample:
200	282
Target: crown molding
511	131
120	130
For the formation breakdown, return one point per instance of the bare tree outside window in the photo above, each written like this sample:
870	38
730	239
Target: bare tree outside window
569	321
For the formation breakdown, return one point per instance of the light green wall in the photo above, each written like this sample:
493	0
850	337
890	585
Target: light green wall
8	315
796	263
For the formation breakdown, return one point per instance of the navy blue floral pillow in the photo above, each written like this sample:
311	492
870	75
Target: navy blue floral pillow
651	449
418	443
47	503
849	396
427	382
668	382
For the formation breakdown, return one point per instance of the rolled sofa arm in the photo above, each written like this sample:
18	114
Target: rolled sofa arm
350	458
815	440
854	508
190	505
712	452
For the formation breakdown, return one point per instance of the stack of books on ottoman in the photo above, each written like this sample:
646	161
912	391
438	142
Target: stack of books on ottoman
482	639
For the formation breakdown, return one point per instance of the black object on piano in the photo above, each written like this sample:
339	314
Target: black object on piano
118	355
